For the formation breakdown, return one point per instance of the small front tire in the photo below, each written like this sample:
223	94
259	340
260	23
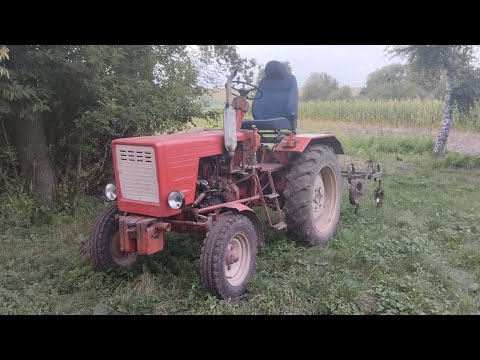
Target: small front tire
105	250
229	256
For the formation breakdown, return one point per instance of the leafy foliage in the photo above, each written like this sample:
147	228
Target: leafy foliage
87	95
432	62
3	56
261	71
342	93
319	86
391	82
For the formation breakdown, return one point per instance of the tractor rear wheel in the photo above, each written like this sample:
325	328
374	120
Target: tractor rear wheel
313	196
105	250
229	256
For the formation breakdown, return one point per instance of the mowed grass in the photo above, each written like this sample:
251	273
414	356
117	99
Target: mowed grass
419	254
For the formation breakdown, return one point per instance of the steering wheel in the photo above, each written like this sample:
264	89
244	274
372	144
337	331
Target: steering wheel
245	91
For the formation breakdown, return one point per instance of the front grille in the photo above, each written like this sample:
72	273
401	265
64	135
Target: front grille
137	173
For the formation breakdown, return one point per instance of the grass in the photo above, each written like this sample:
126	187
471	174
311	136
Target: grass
420	254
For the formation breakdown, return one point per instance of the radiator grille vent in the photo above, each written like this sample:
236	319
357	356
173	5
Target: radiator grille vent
137	173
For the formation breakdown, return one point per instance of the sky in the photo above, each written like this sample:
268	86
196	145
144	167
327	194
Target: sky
349	64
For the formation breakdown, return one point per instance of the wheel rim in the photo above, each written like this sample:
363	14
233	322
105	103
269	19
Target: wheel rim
120	257
237	259
324	198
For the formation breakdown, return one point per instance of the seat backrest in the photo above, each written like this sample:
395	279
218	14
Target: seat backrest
280	95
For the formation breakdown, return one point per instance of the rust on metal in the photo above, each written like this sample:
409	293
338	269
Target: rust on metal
149	239
355	192
358	181
219	206
184	226
161	226
127	238
140	234
231	256
199	199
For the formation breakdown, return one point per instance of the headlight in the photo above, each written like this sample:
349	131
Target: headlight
111	192
176	199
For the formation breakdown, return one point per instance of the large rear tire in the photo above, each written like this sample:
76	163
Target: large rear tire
105	250
313	196
229	256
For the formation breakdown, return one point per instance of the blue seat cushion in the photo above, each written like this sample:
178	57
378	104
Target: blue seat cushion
279	123
278	107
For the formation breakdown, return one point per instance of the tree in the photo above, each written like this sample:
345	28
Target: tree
392	82
3	56
64	104
342	93
261	71
319	86
462	78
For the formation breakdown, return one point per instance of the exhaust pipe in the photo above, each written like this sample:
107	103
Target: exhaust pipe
229	124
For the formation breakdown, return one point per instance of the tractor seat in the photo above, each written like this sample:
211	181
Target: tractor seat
278	107
280	123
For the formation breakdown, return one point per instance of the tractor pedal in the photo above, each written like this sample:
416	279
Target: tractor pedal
280	226
271	196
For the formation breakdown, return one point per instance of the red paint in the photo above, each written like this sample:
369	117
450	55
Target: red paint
303	141
283	154
150	242
237	206
177	160
141	234
177	157
229	204
127	243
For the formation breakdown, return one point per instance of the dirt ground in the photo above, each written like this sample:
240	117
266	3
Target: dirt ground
467	143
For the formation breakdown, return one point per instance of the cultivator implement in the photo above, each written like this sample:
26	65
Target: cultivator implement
358	181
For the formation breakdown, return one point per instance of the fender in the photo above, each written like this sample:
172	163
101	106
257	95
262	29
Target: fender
249	213
285	154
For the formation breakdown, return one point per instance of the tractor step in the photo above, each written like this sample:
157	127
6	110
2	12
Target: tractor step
268	167
271	196
280	226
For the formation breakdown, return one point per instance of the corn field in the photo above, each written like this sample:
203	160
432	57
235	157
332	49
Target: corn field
408	113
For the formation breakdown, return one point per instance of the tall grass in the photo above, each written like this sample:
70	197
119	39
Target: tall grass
408	113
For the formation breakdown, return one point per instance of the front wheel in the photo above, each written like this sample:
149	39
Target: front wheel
313	196
105	250
229	256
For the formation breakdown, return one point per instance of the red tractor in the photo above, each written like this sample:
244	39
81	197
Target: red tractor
208	181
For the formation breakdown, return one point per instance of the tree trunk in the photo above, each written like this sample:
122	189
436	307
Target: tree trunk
441	145
36	165
79	157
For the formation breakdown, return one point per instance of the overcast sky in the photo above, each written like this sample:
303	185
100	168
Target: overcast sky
349	64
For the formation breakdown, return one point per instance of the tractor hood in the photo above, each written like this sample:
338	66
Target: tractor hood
148	168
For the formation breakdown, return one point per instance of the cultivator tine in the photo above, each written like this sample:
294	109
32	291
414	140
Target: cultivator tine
379	194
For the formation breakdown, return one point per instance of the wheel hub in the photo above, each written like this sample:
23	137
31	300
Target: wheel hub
232	256
237	259
324	198
318	195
